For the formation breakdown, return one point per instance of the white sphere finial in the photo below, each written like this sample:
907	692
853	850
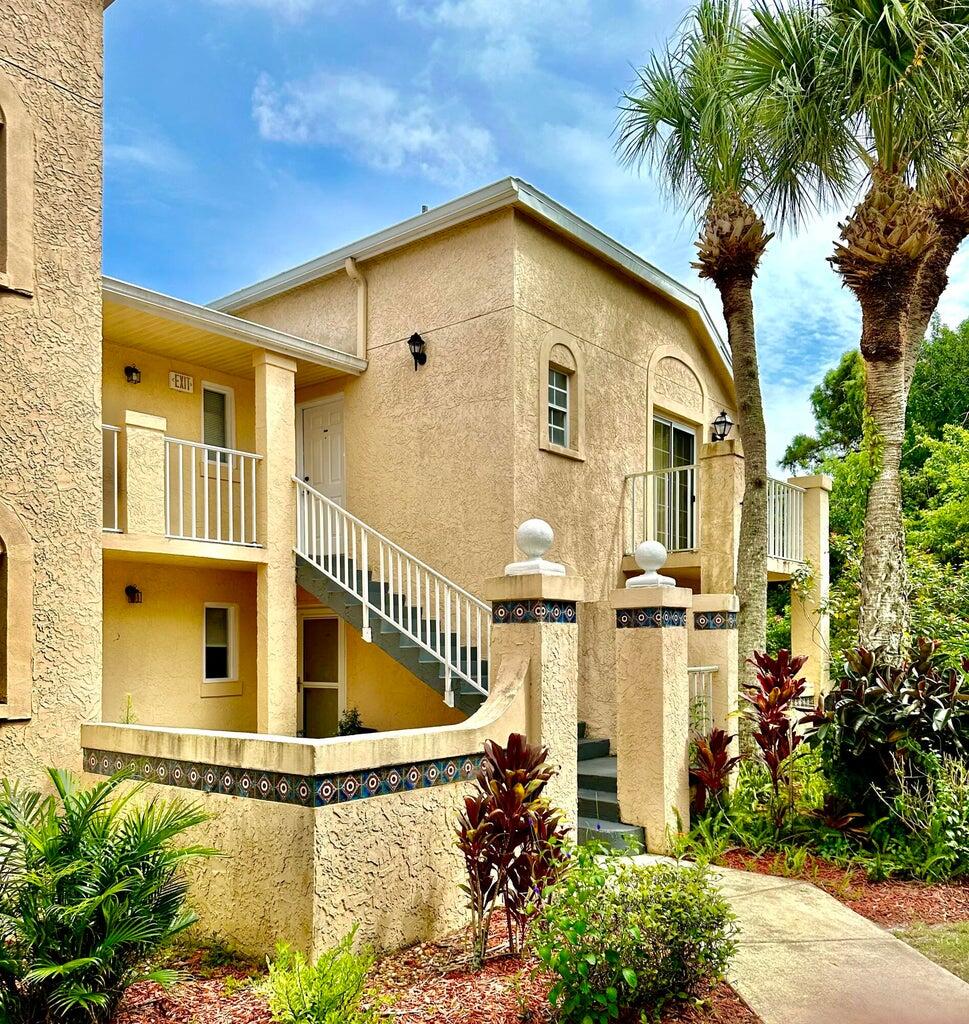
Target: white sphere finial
650	556
533	538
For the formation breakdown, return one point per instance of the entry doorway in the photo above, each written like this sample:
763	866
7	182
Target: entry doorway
322	673
320	443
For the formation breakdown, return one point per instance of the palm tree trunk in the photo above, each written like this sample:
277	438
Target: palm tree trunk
738	312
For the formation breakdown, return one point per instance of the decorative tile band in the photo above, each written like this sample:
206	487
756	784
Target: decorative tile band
650	618
283	788
533	611
715	620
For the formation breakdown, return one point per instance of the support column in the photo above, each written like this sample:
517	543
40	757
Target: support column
144	475
276	668
721	492
653	709
810	626
712	641
536	613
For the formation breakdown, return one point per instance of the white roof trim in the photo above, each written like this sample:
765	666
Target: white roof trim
507	192
228	326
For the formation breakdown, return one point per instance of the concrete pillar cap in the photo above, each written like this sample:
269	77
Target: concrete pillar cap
533	538
650	555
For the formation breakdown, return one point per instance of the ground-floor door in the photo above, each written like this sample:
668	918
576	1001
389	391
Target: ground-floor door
322	674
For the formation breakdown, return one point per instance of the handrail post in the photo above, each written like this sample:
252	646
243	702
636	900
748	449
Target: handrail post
365	588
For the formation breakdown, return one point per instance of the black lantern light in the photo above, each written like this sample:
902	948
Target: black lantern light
722	426
417	349
132	374
133	594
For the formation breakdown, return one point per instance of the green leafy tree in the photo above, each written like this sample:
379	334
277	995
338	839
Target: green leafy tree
943	525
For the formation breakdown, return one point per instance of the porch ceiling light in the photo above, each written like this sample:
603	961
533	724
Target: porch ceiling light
132	374
133	594
722	426
417	349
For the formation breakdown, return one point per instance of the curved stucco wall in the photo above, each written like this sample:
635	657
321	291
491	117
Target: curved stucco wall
50	349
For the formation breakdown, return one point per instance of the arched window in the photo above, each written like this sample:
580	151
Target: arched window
16	193
16	616
561	404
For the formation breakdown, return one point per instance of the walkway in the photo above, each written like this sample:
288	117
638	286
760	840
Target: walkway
805	958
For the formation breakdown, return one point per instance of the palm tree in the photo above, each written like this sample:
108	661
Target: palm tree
684	118
872	88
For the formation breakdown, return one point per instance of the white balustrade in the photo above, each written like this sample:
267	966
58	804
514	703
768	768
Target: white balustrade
661	506
110	515
785	521
438	615
210	493
701	695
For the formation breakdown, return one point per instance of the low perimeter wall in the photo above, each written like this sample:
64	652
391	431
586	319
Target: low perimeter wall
317	836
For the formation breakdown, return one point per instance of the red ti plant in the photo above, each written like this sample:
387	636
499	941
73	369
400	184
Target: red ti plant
770	707
711	768
511	839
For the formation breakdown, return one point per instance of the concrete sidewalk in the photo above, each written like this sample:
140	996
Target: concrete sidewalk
805	958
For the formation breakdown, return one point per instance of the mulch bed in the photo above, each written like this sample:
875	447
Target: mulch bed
430	983
892	904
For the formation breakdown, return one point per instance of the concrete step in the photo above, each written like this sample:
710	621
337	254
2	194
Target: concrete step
598	773
591	749
595	803
629	838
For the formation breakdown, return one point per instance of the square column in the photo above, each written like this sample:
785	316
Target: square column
653	709
537	615
713	644
721	492
810	624
145	473
276	668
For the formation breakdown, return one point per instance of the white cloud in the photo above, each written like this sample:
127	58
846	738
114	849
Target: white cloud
375	125
139	151
289	9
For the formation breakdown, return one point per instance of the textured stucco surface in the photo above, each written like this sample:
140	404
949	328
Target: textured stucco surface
153	650
50	449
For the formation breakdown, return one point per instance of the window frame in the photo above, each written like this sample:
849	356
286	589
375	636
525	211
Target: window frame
230	418
232	648
565	409
574	448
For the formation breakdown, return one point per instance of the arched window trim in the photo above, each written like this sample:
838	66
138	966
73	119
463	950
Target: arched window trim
16	192
576	376
18	619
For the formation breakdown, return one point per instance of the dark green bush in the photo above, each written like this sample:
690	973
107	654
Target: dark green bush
90	888
620	936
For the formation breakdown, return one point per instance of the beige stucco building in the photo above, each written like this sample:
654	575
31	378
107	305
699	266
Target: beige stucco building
223	527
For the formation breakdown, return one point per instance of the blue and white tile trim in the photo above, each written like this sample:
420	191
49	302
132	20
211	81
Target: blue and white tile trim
538	610
283	788
715	620
650	618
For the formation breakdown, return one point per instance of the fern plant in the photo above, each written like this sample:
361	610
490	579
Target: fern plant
90	887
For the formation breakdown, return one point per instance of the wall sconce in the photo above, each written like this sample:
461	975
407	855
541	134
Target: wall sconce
417	350
133	594
132	374
721	427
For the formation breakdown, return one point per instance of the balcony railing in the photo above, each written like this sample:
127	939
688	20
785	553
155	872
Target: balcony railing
210	493
785	521
661	505
111	515
701	696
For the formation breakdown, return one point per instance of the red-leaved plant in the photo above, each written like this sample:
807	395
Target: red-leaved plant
511	839
770	707
711	768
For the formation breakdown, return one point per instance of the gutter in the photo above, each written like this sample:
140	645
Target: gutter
362	306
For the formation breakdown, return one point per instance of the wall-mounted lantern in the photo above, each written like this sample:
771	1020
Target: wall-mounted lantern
132	374
417	349
721	427
133	594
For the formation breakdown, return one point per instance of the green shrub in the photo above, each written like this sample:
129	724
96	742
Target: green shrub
621	936
331	991
90	888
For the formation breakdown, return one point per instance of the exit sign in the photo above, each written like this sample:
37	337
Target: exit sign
181	382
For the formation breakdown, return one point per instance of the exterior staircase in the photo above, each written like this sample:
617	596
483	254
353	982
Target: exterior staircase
427	623
599	820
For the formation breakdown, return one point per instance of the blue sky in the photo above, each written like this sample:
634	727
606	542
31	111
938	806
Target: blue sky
245	136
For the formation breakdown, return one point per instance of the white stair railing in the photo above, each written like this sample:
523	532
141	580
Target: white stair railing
661	505
111	515
438	615
785	521
210	493
701	695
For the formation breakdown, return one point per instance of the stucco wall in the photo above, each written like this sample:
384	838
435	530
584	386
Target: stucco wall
153	650
50	461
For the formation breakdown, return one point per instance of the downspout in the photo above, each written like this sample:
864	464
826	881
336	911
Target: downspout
362	305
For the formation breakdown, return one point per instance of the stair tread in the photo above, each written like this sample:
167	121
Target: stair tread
601	766
615	827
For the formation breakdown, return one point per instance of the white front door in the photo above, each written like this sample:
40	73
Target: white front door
322	448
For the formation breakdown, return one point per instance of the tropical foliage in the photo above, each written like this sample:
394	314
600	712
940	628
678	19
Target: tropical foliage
91	886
